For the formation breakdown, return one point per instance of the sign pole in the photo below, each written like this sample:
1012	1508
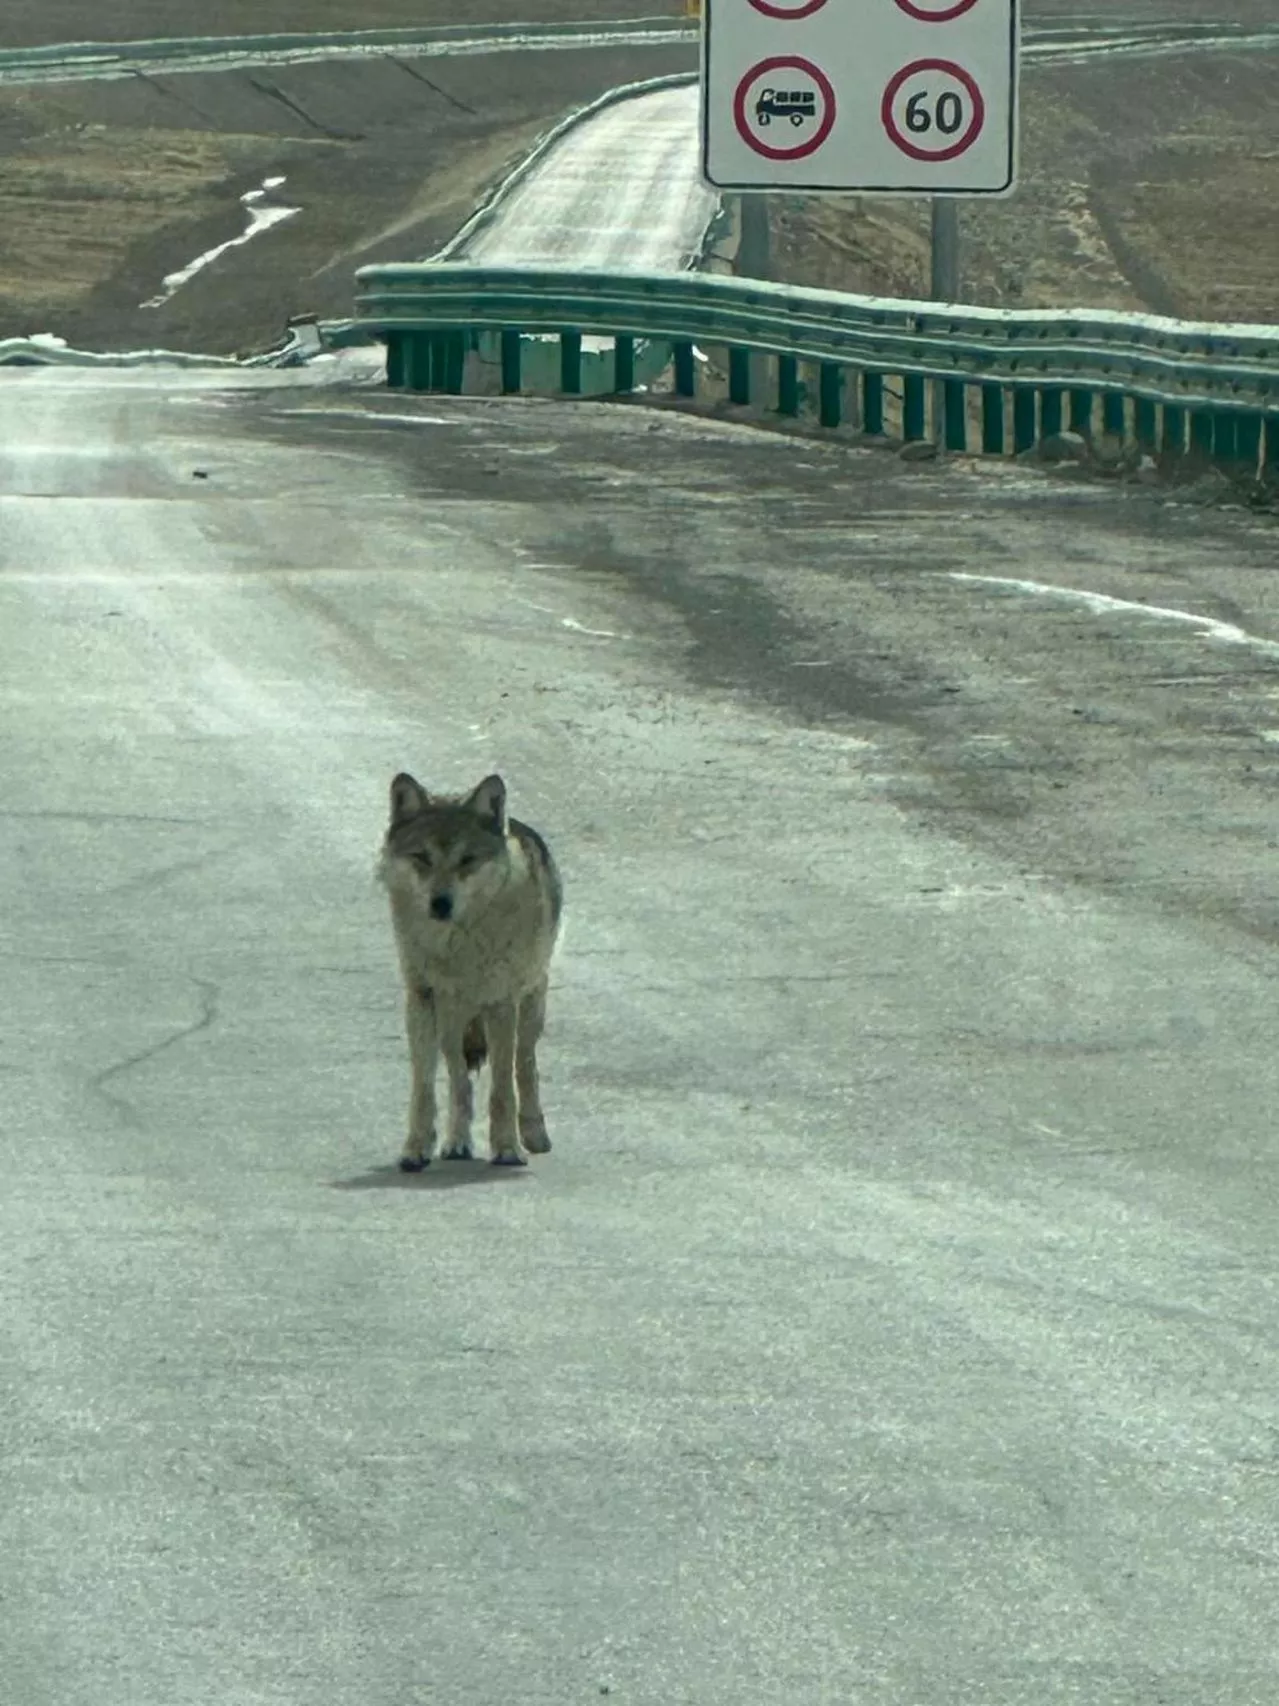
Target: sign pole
752	237
946	283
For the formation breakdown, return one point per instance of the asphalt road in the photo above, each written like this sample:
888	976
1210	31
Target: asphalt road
622	191
895	1320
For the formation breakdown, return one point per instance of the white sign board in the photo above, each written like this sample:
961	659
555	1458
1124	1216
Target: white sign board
889	96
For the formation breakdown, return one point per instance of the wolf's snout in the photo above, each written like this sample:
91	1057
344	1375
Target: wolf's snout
441	906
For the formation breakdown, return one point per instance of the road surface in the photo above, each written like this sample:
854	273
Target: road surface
895	1320
622	191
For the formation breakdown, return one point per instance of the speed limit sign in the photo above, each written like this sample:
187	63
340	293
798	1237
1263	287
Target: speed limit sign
891	96
933	110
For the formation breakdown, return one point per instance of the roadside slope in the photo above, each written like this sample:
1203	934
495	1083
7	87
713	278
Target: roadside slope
109	187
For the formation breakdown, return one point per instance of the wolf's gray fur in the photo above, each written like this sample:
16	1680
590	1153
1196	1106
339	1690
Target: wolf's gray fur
475	902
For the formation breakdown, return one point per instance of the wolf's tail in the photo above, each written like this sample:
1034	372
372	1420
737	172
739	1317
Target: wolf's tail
475	1045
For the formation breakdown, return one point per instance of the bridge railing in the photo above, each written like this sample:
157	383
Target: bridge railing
973	378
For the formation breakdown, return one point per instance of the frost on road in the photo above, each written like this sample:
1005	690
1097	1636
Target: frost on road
621	191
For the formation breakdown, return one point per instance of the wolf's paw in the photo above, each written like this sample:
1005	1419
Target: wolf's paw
534	1137
458	1152
510	1158
414	1163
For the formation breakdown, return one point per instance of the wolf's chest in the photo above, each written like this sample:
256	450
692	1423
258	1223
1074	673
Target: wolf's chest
480	959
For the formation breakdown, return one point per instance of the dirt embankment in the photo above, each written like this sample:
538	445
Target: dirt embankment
1144	184
108	187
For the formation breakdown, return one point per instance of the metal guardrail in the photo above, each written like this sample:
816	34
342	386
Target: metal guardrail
1072	41
969	376
73	61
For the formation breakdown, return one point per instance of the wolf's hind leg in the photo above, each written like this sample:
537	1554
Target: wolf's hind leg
504	1139
532	1022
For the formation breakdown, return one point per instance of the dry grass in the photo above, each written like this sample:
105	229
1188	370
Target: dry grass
109	186
73	204
1144	185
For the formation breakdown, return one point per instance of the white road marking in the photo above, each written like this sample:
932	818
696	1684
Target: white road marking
1100	603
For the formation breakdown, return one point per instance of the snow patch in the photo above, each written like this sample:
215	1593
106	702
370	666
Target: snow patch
262	215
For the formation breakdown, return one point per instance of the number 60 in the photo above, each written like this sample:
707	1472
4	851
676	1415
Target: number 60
947	115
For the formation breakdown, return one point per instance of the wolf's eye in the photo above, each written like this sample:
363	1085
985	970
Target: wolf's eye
467	862
422	861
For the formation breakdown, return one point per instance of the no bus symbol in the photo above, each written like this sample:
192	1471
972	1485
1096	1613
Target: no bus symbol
784	108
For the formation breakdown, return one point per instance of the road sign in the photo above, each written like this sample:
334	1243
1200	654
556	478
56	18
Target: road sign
784	108
933	110
787	8
868	96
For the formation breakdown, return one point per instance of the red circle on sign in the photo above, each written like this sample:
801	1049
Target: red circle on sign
956	9
804	10
812	143
912	148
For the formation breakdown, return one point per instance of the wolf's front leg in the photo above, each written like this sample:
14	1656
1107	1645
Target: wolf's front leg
504	1137
420	1023
461	1100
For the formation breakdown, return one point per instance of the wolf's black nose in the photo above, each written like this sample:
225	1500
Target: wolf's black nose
442	906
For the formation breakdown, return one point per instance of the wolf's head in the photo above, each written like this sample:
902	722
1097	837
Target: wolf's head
450	850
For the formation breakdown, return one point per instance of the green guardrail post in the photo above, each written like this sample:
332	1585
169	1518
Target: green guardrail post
1114	414
439	361
1201	431
954	399
1248	441
787	385
992	419
1146	423
914	408
873	404
396	361
454	375
1024	423
419	361
512	346
1050	411
685	369
1081	411
1174	433
830	389
623	363
571	363
739	376
1225	436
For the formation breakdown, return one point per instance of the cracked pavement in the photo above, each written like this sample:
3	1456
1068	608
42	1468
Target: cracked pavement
895	1318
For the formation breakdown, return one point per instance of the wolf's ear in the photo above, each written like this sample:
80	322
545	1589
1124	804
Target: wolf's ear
488	801
407	798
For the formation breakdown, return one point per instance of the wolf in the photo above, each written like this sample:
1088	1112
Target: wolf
476	902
